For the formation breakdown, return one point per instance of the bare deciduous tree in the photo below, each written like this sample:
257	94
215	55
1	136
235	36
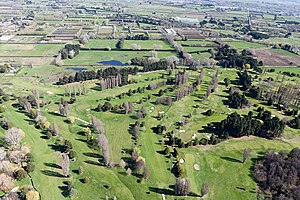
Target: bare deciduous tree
6	182
204	189
53	129
65	164
182	187
13	137
146	173
102	142
246	155
98	126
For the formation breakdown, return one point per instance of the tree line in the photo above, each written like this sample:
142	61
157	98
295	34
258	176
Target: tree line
101	73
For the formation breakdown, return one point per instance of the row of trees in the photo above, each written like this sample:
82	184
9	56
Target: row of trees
102	73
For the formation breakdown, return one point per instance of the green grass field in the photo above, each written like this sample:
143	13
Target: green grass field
96	43
29	49
245	45
92	57
146	44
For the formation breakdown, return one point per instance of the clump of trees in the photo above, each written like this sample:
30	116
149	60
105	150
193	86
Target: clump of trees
245	80
69	51
236	125
148	65
230	58
137	37
258	35
237	100
278	174
181	78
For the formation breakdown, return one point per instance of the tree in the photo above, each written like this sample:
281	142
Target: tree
6	182
122	164
32	195
20	174
139	164
128	106
65	164
146	173
227	82
136	47
128	171
182	187
58	60
102	142
98	126
172	61
208	91
13	137
204	189
53	129
246	155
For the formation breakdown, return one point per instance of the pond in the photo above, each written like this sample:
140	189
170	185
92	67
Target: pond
76	69
112	62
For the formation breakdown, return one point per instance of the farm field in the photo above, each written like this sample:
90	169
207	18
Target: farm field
29	49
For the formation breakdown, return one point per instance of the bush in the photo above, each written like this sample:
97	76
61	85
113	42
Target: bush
86	179
30	167
71	119
48	135
2	109
72	154
20	174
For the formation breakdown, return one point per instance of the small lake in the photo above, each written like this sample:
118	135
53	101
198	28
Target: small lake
76	69
112	62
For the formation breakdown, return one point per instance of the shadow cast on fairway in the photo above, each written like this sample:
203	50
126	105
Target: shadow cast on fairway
93	163
230	159
51	173
52	165
92	155
162	191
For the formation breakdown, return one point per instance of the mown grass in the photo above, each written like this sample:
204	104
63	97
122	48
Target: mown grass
219	165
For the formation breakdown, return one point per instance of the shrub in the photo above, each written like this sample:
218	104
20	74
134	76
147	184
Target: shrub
86	179
20	174
30	167
48	135
72	154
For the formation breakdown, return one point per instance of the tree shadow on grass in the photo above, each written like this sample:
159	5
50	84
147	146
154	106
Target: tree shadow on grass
81	140
92	155
52	165
60	148
162	191
51	173
55	114
123	173
230	159
64	189
93	162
